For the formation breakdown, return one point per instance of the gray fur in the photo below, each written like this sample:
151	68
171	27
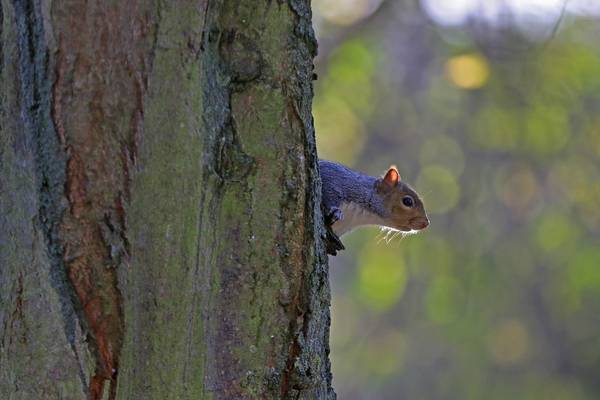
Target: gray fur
341	184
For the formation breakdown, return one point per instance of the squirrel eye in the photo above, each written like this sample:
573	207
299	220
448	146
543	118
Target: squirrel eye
408	201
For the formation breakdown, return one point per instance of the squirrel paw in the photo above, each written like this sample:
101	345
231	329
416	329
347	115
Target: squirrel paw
334	214
333	242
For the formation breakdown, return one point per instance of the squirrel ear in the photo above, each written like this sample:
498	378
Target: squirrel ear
392	177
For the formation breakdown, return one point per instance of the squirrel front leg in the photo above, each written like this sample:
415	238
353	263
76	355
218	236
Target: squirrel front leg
331	206
332	214
333	242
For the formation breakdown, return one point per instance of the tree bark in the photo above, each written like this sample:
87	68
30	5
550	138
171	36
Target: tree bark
159	202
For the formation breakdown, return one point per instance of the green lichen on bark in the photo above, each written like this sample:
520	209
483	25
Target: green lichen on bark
202	242
270	144
160	357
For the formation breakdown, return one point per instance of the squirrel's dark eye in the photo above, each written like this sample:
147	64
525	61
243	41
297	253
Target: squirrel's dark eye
408	201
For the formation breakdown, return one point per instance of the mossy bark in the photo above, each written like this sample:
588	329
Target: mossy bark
159	202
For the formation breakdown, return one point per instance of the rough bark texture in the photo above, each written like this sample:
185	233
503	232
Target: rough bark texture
160	229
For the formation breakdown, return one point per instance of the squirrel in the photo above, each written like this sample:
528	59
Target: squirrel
351	199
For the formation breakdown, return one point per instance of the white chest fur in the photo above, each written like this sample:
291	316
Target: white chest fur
355	216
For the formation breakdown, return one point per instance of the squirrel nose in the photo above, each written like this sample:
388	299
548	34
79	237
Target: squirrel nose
420	223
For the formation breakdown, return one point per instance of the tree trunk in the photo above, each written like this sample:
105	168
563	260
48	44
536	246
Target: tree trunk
159	202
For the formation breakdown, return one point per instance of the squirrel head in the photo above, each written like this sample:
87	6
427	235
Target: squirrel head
405	208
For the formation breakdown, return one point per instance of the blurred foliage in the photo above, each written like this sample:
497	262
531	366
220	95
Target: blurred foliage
339	112
497	125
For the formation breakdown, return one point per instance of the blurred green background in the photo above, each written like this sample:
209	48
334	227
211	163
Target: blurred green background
491	110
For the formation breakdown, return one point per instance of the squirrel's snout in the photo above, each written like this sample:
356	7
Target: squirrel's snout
419	223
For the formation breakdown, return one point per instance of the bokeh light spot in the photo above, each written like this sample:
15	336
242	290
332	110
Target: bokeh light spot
579	279
445	299
341	133
583	188
449	12
509	342
584	270
429	255
354	60
468	71
546	130
345	12
381	277
439	189
556	232
445	151
340	115
495	128
517	187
